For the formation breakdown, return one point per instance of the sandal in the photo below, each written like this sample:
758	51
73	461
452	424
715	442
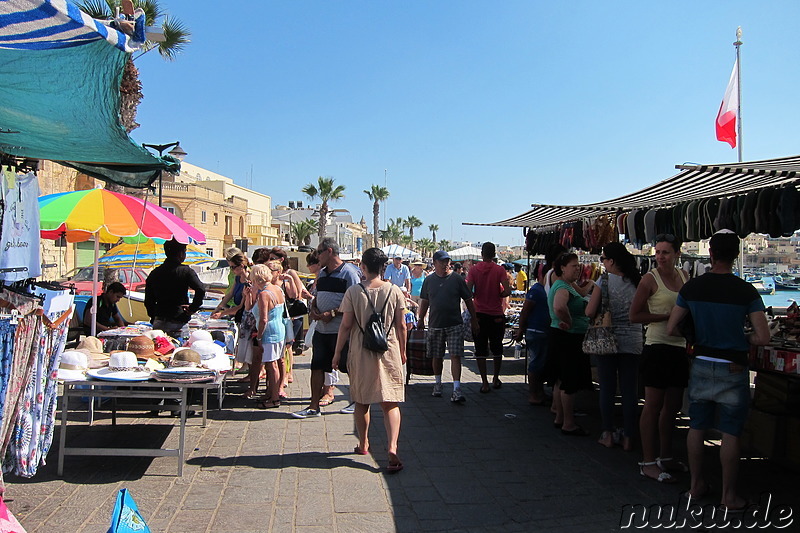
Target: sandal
496	384
663	477
249	395
395	464
268	404
668	464
606	439
485	388
326	401
577	432
357	450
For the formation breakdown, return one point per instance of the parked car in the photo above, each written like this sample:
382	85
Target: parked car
83	279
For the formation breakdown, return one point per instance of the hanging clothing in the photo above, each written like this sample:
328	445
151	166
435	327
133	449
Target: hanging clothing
19	237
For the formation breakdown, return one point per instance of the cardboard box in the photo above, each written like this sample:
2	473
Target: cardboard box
777	394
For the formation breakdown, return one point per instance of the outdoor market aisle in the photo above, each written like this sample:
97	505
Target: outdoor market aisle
471	467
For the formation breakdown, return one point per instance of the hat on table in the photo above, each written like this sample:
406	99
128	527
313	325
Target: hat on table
73	365
122	366
199	335
142	346
212	355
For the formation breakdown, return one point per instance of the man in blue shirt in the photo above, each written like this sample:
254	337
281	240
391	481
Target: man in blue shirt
719	380
399	274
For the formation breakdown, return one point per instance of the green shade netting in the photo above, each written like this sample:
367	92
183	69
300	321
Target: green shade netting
62	104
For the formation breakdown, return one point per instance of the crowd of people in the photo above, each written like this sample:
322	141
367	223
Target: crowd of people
352	304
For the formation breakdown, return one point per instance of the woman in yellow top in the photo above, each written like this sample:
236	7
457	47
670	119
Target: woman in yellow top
665	364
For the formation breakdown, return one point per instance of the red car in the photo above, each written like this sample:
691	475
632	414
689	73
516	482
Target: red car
83	279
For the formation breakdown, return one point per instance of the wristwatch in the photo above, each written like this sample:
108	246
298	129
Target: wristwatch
333	313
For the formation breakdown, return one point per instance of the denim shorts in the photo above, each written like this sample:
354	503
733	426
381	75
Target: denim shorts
536	343
719	396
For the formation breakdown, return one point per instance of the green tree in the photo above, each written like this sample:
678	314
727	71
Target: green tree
433	229
426	247
377	194
407	241
393	232
176	37
444	245
411	223
326	191
303	230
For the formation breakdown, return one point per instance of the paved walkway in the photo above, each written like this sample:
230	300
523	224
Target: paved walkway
492	464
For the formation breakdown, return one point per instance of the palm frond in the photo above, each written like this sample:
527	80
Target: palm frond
152	11
97	9
176	37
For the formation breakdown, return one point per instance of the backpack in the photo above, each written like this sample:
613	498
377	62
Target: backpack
375	334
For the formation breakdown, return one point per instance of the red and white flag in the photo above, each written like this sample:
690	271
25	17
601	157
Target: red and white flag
729	110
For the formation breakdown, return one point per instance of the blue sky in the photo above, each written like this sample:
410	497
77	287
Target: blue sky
476	109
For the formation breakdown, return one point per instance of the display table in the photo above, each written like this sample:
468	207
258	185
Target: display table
129	390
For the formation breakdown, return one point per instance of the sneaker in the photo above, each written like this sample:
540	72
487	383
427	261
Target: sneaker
437	390
307	413
457	397
349	410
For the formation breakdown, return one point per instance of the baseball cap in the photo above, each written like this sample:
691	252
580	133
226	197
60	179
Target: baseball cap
441	255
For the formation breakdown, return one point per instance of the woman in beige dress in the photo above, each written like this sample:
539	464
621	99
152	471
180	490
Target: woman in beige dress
374	377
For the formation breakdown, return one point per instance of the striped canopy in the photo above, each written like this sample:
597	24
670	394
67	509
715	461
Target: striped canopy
148	254
692	183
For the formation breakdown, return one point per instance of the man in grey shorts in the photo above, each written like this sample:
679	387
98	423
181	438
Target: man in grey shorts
442	292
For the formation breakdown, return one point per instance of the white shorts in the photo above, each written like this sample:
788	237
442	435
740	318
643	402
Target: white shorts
272	351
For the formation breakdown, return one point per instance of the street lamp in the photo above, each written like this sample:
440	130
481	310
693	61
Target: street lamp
177	152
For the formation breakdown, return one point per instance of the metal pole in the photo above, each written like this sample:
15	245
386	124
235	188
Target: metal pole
160	186
737	44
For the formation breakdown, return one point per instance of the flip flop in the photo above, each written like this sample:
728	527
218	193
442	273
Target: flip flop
325	402
357	450
485	389
395	464
497	384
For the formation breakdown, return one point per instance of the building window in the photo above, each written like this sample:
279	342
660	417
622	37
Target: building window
203	217
228	225
170	210
210	251
216	219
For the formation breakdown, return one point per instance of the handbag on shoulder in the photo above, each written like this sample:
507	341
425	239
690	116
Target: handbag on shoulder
600	339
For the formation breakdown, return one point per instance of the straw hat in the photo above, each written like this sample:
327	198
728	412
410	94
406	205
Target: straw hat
142	346
94	347
73	365
122	366
185	358
212	355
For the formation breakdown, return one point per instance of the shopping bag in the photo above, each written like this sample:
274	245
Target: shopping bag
309	340
8	522
417	358
126	517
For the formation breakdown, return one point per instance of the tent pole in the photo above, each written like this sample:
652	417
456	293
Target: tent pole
94	282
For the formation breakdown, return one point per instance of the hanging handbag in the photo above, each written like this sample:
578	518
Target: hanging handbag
600	339
296	307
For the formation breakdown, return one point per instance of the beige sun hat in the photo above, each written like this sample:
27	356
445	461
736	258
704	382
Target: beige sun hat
94	347
73	365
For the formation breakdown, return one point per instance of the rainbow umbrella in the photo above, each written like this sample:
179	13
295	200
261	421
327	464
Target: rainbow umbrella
149	254
80	215
108	216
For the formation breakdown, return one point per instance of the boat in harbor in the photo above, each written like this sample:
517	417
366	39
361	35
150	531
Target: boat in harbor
764	285
787	283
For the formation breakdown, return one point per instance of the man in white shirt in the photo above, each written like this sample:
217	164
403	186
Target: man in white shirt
399	274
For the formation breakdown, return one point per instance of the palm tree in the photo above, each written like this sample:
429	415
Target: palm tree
433	229
377	194
444	245
326	191
393	232
426	246
303	230
412	222
407	240
176	37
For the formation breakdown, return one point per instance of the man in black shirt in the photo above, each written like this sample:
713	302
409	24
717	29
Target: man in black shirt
166	295
108	315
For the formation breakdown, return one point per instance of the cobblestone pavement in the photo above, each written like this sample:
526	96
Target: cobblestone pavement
493	463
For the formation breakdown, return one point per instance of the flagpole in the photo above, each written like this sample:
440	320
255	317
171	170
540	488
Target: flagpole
737	44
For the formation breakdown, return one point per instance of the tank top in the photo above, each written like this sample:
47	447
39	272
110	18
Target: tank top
275	331
660	303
